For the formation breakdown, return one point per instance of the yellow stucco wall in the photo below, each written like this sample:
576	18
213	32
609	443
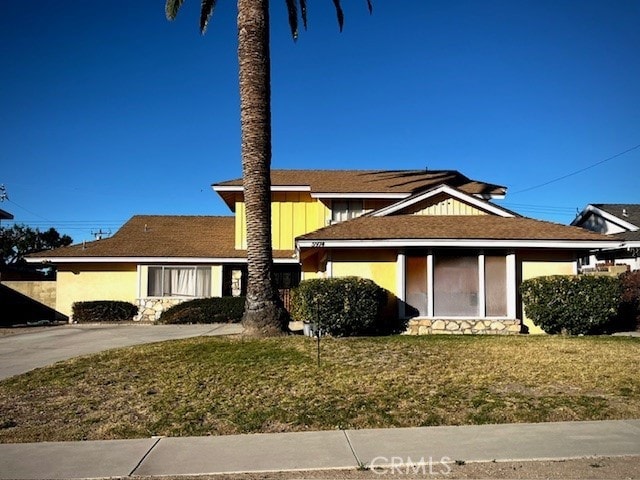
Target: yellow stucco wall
78	283
292	214
379	266
542	264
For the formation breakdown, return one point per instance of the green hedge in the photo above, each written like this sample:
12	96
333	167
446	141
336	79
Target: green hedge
205	310
572	304
103	311
346	306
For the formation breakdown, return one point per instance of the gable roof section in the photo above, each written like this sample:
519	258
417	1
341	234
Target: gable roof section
613	212
628	212
479	203
365	183
167	238
458	231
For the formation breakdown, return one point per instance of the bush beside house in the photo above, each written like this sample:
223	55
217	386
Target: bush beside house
205	310
577	305
346	306
630	306
103	311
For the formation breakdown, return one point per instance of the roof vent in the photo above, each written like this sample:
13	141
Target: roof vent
624	212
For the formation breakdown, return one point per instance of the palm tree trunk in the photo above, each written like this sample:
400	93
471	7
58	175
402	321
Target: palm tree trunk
264	313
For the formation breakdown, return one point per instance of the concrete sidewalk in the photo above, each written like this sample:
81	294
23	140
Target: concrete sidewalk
338	449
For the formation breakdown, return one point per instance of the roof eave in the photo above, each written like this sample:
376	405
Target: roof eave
148	260
458	242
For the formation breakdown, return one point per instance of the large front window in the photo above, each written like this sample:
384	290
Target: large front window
456	284
179	282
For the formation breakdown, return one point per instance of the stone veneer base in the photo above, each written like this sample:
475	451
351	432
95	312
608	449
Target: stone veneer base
424	326
150	309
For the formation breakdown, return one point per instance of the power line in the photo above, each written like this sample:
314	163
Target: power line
578	171
27	210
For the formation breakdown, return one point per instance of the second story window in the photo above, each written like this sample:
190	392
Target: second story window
346	209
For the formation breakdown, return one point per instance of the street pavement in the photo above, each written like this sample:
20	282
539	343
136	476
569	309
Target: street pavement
23	352
384	449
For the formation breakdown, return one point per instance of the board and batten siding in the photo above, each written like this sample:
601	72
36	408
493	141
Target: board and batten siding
292	214
446	206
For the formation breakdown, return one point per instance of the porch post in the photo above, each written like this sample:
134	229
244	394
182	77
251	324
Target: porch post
482	301
401	283
511	285
430	287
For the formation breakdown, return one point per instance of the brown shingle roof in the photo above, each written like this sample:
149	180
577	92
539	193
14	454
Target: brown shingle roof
487	227
164	236
375	181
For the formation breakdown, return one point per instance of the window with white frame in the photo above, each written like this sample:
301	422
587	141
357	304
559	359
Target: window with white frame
342	210
179	281
462	284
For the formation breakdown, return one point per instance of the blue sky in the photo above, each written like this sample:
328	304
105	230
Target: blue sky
109	110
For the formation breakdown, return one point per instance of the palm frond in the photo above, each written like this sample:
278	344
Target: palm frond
370	6
303	11
171	8
339	13
292	10
206	10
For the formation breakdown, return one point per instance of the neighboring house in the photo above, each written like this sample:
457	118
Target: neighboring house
450	258
620	221
4	215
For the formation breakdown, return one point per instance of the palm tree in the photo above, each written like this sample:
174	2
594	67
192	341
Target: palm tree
264	312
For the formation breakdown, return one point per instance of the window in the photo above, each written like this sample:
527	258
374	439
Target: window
455	286
495	274
346	209
179	282
416	287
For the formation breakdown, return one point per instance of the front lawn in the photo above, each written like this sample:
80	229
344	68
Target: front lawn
217	386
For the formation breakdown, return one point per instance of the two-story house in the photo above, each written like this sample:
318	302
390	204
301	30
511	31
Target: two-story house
617	220
449	257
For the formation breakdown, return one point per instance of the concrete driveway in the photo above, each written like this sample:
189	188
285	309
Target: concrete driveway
23	352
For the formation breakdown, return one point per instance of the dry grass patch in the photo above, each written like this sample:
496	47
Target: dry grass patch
216	386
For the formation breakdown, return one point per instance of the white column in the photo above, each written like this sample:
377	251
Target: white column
511	285
139	283
430	285
482	301
401	283
216	280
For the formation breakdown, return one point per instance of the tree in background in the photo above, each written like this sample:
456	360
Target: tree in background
18	241
264	312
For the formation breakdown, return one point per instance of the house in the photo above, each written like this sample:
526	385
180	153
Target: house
450	258
4	215
618	220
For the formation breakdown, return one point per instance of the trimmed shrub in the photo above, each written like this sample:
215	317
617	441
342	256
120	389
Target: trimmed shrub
577	305
103	311
630	306
205	310
343	307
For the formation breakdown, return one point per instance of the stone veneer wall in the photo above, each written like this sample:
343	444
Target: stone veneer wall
417	326
150	309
